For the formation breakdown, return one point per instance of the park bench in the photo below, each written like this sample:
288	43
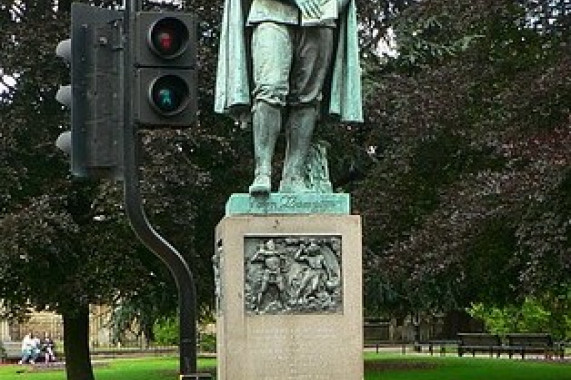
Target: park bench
12	351
479	342
523	343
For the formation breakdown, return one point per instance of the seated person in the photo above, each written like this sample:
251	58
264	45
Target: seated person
30	349
48	348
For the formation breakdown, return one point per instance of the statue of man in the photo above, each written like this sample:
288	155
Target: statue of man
301	56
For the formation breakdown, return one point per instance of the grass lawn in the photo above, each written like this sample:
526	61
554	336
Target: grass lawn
118	369
384	367
398	367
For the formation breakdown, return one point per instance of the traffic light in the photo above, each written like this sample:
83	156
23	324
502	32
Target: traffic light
95	97
165	93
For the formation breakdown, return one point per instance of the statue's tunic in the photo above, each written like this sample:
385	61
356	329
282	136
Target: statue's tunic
234	77
272	10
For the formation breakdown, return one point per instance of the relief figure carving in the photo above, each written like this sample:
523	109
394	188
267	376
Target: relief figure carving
216	265
293	275
272	273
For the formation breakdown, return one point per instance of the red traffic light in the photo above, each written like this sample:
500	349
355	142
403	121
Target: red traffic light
168	37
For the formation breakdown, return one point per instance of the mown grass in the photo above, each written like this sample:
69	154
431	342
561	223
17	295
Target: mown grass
162	368
377	367
390	367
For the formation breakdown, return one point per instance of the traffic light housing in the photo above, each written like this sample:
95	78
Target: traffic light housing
157	89
95	94
165	93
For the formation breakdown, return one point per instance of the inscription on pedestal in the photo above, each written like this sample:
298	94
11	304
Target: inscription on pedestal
312	352
293	275
285	203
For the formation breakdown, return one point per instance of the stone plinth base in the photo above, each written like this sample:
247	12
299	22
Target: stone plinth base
289	298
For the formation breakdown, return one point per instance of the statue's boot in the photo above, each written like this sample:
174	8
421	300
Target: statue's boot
299	130
266	123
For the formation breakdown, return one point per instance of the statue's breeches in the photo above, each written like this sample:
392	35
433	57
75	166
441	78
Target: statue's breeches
290	63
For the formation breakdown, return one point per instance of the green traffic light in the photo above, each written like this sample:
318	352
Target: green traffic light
169	95
166	99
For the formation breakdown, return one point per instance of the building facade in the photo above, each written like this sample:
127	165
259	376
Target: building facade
52	324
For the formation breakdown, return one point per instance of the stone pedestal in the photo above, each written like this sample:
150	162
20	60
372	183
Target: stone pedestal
289	297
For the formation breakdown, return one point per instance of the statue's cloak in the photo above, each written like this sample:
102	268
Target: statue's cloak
342	92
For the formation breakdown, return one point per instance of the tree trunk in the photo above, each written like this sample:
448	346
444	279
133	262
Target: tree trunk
76	344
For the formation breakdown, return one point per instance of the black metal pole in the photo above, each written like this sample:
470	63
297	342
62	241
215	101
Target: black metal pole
136	214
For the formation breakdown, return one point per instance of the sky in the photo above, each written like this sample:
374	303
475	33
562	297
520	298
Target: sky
8	79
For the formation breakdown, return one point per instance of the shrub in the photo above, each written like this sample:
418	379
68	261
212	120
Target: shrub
166	331
530	316
207	342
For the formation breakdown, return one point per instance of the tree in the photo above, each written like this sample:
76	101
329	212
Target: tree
465	192
66	242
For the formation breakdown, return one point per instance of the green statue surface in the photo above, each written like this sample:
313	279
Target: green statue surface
289	62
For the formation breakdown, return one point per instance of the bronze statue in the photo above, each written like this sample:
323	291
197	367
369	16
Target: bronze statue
284	62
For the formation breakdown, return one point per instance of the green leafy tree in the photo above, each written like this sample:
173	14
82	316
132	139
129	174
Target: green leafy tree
531	316
166	330
464	187
66	242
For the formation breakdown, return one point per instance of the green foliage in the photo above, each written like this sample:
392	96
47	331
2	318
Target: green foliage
75	232
497	320
464	189
166	331
427	40
531	316
207	342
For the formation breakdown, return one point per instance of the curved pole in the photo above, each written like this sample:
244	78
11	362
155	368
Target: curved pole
141	226
177	266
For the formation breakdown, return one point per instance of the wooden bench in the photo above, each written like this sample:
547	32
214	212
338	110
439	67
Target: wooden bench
522	343
479	342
